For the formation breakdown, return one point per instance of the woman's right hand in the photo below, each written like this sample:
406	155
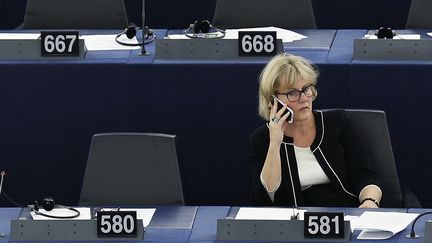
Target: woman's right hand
277	123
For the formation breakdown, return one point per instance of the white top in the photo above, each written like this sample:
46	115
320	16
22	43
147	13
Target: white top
310	172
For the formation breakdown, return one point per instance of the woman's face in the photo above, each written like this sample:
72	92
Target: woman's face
296	98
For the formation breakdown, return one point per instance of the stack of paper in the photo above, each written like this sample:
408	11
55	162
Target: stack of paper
381	225
269	213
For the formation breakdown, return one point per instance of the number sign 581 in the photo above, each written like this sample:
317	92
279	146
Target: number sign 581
323	225
59	43
257	43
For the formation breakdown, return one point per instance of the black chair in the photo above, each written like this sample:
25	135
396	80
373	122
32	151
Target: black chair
420	16
372	125
75	14
287	14
132	169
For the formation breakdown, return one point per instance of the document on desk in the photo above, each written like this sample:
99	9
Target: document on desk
92	42
381	225
269	213
108	42
61	212
19	36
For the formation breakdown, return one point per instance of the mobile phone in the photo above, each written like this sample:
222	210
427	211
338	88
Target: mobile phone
280	104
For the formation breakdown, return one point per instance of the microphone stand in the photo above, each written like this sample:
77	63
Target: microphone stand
412	234
144	31
1	186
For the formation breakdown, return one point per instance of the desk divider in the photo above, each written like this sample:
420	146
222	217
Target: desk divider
202	49
63	230
428	232
392	49
269	230
31	49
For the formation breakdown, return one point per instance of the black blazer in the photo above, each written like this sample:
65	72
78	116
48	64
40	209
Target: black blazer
339	150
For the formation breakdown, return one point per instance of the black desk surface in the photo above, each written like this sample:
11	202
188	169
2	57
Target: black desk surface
51	108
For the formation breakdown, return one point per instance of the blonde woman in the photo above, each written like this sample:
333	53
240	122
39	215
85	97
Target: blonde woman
313	158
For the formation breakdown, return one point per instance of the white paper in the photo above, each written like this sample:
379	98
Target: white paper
92	42
285	35
84	214
429	34
269	213
19	36
146	214
398	37
381	225
107	42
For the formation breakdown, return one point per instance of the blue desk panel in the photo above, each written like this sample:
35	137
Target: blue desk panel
6	215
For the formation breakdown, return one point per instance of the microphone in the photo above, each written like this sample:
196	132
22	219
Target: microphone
144	29
412	234
295	215
3	173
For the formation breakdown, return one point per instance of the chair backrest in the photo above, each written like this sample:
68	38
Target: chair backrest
132	169
288	14
75	14
420	16
372	125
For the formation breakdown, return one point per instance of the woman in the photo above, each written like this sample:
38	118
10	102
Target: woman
317	159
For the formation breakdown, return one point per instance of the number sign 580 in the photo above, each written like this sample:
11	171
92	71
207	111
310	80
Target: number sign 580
116	223
59	43
257	43
323	225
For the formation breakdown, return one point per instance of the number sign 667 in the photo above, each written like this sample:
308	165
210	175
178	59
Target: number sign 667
59	43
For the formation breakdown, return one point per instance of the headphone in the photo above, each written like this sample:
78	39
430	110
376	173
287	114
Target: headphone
203	30
48	204
385	33
131	31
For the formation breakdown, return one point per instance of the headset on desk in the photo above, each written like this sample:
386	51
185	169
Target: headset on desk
48	204
130	33
203	30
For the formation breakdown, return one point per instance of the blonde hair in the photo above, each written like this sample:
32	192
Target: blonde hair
282	68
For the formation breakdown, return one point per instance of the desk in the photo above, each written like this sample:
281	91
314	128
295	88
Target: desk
48	120
204	220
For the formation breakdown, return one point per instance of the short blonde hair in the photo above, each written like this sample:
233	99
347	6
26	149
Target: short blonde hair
282	68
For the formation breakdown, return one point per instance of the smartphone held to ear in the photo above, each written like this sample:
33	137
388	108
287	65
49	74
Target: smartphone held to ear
290	117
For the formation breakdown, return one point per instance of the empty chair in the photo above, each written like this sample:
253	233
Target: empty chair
132	169
372	126
420	16
75	14
288	14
